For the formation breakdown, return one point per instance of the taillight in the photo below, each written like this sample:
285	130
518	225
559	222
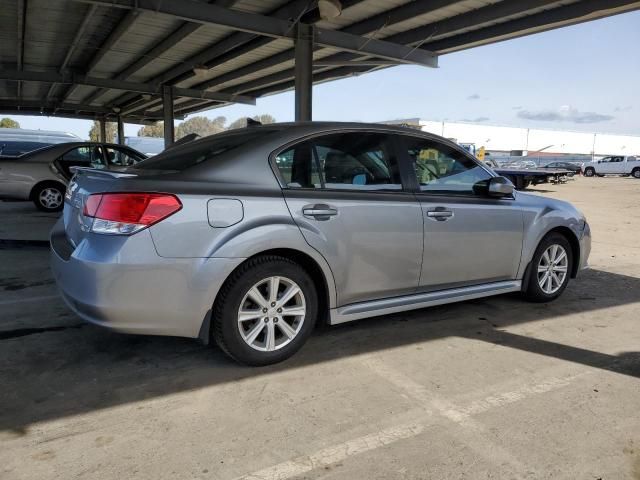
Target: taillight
127	213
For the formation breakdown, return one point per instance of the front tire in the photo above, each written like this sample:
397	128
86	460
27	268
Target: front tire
635	173
265	311
49	197
550	269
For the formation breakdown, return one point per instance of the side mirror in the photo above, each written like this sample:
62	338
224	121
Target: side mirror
500	187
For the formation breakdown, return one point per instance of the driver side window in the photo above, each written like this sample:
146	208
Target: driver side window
442	169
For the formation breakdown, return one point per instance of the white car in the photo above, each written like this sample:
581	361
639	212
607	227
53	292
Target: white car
41	176
614	165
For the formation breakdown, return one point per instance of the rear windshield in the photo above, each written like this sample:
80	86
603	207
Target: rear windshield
191	154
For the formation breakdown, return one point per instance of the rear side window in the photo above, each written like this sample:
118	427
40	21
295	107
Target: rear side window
346	161
191	154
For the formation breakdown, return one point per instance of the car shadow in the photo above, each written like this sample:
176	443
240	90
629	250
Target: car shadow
53	374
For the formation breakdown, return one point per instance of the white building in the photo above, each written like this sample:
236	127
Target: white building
507	139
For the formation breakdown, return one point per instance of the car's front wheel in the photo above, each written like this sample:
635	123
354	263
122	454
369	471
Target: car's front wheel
635	173
550	269
265	311
49	197
589	172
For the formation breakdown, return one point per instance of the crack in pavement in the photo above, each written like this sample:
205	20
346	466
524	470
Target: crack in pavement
23	332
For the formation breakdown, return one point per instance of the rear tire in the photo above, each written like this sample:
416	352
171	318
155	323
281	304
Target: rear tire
48	196
589	172
550	269
250	322
635	173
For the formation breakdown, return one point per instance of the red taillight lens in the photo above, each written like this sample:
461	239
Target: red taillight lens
129	212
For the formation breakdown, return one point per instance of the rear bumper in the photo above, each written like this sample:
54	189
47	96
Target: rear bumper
121	283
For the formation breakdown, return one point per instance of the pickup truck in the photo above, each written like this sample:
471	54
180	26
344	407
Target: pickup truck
614	165
523	177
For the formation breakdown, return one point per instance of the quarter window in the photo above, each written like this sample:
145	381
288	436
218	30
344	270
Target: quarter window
121	158
351	161
443	169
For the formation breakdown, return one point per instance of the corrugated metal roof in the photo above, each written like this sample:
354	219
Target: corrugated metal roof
74	41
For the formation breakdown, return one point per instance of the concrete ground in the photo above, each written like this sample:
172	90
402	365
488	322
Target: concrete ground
493	388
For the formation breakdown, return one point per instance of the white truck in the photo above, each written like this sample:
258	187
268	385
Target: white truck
614	165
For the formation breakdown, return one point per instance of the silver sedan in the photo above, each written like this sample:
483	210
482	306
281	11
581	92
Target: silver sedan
249	237
31	176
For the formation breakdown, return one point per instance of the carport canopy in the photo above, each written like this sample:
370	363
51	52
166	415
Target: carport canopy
140	61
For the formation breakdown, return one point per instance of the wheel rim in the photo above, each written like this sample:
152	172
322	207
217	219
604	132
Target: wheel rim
553	268
50	198
271	314
636	173
589	173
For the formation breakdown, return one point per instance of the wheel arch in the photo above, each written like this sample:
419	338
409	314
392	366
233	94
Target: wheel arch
574	243
42	183
322	279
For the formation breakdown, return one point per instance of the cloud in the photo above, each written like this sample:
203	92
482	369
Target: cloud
518	107
565	113
476	120
475	96
623	109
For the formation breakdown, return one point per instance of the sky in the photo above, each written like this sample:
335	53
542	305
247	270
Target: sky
583	78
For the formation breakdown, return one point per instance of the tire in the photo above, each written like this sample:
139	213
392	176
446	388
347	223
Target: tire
48	196
537	289
635	173
589	172
281	335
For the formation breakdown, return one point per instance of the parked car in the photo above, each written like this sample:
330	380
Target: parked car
572	167
42	175
522	177
614	165
249	237
18	141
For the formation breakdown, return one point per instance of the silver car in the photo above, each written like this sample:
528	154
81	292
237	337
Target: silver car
31	176
251	236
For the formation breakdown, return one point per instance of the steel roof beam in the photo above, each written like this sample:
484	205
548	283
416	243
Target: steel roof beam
121	28
367	26
156	51
562	16
235	44
74	44
22	21
146	88
449	26
193	11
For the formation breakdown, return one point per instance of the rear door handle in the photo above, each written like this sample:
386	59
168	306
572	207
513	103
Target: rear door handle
319	211
440	215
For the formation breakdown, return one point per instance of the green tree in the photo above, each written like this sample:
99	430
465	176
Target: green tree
265	118
201	126
153	130
111	130
9	123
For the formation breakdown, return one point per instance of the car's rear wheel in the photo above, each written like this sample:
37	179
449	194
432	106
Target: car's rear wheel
265	311
589	172
635	173
550	269
49	197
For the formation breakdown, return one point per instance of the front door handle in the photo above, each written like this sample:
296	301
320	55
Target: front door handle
319	211
440	214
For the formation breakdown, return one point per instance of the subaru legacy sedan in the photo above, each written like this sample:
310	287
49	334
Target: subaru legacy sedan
250	237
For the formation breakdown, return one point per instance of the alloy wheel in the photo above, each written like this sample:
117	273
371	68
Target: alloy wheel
271	313
552	269
50	198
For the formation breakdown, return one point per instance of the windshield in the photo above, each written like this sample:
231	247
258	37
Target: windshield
197	152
